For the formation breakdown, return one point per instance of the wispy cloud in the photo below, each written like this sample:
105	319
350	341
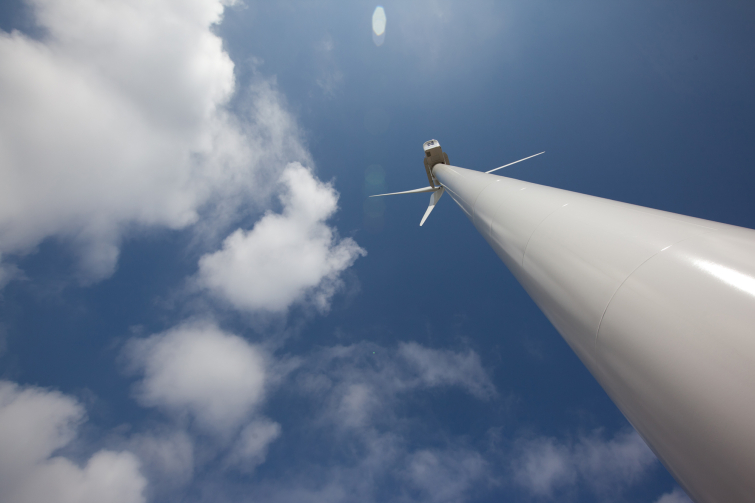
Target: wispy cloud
438	367
167	456
355	397
548	467
445	475
251	448
360	379
328	76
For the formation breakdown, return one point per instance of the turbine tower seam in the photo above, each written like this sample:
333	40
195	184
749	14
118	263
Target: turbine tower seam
597	332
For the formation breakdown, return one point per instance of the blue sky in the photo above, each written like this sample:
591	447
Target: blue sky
199	303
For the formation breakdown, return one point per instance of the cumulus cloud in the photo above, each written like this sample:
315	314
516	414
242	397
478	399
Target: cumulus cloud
286	257
34	423
545	465
197	370
207	381
117	118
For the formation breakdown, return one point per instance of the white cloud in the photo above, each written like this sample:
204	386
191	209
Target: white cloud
200	371
251	447
618	462
8	272
363	446
356	403
437	367
167	456
329	77
286	257
117	119
446	475
361	386
675	496
217	381
34	423
545	465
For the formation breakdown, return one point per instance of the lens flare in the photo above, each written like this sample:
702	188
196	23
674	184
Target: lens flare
378	25
378	20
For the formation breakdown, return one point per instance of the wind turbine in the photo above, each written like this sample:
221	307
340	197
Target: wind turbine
660	307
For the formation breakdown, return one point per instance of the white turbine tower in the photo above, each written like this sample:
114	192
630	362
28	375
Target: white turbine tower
660	307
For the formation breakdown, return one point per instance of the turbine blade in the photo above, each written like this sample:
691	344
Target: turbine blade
415	191
434	198
509	164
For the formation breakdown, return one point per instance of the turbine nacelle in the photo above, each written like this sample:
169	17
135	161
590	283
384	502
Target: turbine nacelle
434	155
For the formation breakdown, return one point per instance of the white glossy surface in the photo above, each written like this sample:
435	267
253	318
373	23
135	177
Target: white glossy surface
660	307
413	191
515	162
434	198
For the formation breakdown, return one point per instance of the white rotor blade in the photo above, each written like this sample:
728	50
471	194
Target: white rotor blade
434	198
415	191
509	164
